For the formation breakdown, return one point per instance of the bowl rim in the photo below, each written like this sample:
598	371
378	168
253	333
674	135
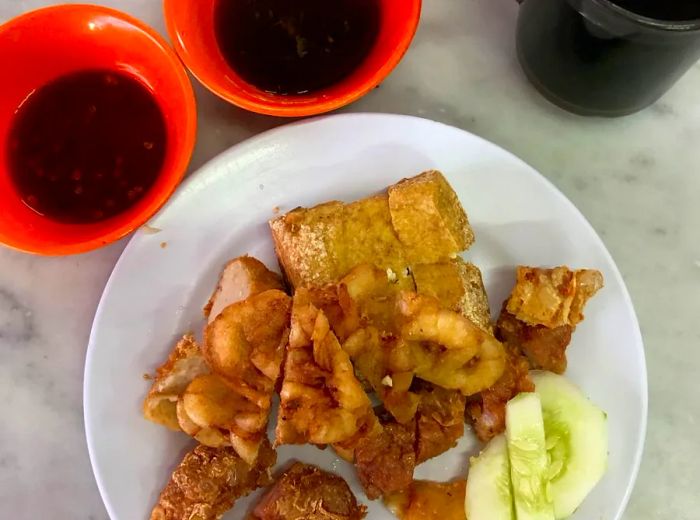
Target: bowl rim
181	158
312	107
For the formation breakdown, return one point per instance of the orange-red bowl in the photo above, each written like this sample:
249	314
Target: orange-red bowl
42	45
191	27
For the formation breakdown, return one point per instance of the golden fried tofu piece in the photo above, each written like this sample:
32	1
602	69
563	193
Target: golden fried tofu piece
321	400
552	297
208	482
419	220
426	500
459	287
244	346
240	278
428	218
184	363
305	492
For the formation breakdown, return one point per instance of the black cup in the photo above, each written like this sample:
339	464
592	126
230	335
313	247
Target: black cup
595	58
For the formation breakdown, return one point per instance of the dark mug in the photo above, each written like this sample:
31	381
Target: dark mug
595	57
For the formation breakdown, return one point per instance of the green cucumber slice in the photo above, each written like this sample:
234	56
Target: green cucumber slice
577	441
529	466
489	495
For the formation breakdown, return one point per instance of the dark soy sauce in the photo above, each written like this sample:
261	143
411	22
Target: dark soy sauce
86	146
295	47
669	10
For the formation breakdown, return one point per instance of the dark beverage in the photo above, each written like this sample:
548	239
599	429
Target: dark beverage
86	146
593	58
671	10
295	47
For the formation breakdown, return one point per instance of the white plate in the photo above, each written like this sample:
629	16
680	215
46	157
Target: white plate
155	294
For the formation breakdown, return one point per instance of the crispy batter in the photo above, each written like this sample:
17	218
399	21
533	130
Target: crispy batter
241	277
184	363
321	400
385	457
426	500
419	219
552	297
305	492
487	410
208	482
439	421
545	348
244	345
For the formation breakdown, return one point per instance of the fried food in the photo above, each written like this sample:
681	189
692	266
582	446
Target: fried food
385	457
321	400
449	349
208	482
439	420
425	500
305	492
419	220
428	218
184	363
244	346
552	297
487	410
544	347
241	277
458	286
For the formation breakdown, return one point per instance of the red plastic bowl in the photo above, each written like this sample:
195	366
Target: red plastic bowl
42	45
191	27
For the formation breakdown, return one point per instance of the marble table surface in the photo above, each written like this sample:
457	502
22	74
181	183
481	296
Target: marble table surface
634	178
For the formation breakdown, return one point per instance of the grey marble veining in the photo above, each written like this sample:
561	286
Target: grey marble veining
636	179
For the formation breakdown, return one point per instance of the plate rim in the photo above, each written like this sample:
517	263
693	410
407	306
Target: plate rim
201	174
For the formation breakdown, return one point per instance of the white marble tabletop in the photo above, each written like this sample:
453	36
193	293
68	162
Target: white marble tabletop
636	179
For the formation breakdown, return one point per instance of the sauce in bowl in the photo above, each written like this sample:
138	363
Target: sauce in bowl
295	47
86	146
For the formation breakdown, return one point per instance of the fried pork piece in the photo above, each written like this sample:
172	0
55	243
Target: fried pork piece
545	348
244	345
305	492
385	456
439	421
425	500
321	400
552	297
487	410
240	278
418	220
208	482
184	363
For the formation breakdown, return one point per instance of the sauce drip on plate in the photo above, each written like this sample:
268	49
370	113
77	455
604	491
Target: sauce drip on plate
295	47
86	146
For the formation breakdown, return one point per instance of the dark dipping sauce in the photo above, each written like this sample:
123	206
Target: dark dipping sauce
295	46
86	146
669	10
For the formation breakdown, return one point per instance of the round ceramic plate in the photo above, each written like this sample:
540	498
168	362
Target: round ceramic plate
163	279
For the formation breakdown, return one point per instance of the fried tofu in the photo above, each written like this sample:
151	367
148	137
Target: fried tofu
321	400
418	220
305	492
184	363
241	277
458	285
208	482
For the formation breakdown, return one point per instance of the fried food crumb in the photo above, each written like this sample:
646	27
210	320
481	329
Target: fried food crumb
147	377
150	230
163	245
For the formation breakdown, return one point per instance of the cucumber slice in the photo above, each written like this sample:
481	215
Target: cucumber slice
489	496
529	466
577	441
